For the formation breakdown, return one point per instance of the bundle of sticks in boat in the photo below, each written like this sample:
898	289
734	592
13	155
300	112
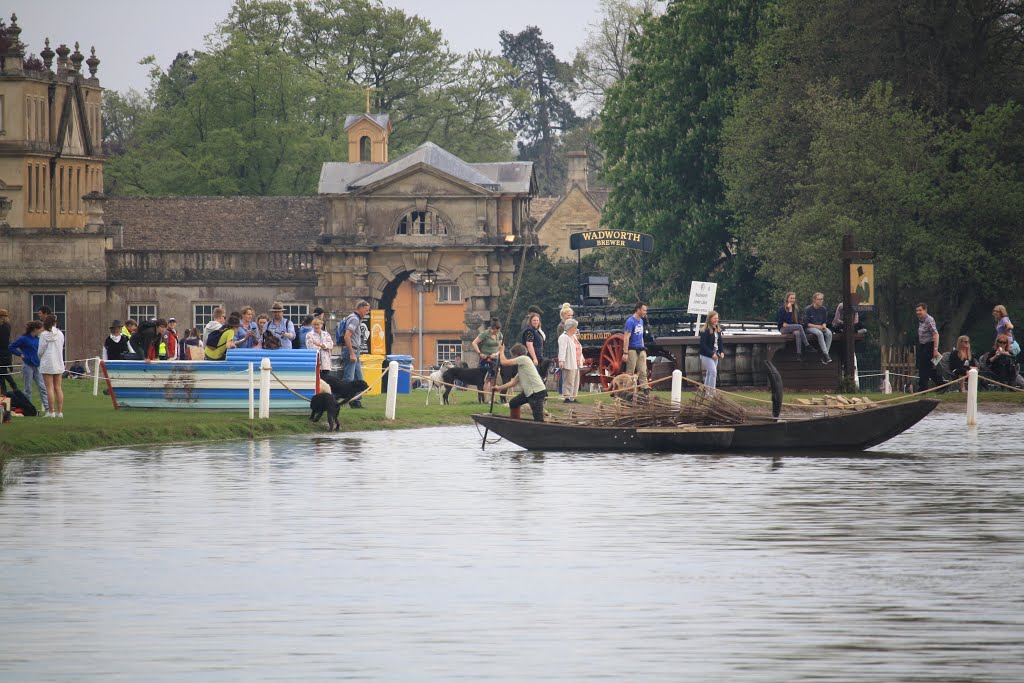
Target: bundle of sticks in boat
654	411
711	408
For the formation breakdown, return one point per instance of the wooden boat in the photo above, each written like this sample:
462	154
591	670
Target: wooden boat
843	432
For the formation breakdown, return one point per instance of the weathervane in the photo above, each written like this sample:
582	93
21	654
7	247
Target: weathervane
368	90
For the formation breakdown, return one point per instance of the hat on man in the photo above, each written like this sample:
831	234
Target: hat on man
172	320
115	325
535	309
277	306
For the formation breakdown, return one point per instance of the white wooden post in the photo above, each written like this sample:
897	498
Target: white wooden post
886	387
972	397
96	376
677	387
696	329
392	400
252	393
265	389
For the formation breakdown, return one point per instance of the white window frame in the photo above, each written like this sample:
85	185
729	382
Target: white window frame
50	299
448	293
197	315
447	349
296	312
137	314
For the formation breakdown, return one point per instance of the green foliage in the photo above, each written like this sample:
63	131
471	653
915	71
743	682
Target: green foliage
551	84
261	109
544	283
860	117
661	130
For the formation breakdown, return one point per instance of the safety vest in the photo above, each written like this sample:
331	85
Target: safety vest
161	350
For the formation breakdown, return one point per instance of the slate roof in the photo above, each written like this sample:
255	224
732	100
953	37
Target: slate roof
380	119
217	223
512	176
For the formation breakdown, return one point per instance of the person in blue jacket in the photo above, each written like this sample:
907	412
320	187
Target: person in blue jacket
711	349
27	347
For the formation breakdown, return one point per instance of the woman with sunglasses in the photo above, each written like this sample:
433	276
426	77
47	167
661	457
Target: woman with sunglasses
1000	361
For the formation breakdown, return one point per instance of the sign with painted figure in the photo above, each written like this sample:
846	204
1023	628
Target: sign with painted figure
611	238
377	342
702	297
862	286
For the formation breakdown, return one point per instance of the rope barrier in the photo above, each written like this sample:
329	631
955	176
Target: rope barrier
354	398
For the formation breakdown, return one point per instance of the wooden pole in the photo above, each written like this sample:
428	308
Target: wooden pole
848	331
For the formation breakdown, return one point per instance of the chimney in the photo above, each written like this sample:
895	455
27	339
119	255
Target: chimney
577	170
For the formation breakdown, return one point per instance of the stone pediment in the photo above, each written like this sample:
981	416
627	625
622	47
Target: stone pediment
422	180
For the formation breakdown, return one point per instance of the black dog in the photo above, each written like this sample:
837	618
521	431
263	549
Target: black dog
325	402
344	390
475	377
466	375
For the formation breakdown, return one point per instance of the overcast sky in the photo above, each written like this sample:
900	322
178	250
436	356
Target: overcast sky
125	31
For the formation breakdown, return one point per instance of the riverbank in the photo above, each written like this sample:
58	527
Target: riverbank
91	422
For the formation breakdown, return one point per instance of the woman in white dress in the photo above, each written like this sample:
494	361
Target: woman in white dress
51	364
570	360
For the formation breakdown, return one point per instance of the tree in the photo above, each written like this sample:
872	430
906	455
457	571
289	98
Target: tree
661	133
262	107
604	58
543	283
857	117
551	84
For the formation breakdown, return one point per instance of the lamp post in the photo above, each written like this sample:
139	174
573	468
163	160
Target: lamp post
425	282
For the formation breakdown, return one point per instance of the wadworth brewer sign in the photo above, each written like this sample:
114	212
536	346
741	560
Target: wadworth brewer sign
611	238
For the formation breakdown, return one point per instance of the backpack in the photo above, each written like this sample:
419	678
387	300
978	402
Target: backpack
270	341
20	400
213	339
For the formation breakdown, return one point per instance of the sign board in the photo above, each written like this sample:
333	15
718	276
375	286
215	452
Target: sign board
702	297
611	238
377	343
862	286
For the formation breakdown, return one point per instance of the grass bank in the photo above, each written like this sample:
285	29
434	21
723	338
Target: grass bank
91	422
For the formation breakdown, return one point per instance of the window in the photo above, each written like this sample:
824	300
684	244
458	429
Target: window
364	148
296	312
202	314
449	349
422	223
60	188
2	114
140	312
58	303
448	294
30	196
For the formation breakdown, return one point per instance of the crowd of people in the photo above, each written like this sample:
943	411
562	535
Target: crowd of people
1001	363
41	350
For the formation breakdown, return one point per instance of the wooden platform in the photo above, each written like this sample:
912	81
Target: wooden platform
745	354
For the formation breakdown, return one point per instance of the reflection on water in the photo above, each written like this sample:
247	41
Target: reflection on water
417	556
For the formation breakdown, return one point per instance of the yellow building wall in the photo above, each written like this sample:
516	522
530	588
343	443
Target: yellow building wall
441	321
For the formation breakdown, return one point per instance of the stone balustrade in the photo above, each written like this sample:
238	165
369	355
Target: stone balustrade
211	266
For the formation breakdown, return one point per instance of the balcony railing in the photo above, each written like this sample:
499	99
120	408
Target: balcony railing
211	266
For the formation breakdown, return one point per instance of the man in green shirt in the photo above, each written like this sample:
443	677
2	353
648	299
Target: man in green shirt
529	381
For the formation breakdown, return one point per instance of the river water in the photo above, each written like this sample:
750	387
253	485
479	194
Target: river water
415	556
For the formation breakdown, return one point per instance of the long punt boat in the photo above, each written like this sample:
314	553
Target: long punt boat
846	431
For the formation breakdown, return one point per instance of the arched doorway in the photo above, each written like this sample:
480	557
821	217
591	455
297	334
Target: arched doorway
387	302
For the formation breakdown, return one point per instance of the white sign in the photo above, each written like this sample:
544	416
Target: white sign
702	297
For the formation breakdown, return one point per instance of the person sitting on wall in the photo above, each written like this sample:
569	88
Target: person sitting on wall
816	324
837	321
788	320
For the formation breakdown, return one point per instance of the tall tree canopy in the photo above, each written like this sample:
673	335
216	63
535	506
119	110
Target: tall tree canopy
551	84
263	105
896	122
661	130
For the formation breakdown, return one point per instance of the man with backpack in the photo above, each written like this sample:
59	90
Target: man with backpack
280	326
350	338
